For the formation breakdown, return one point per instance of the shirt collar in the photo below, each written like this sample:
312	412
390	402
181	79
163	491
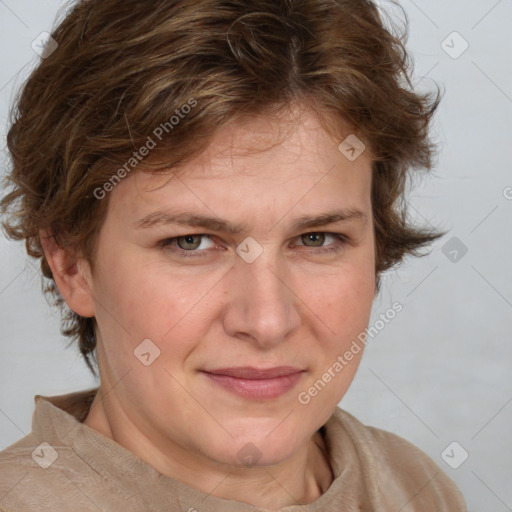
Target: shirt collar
58	421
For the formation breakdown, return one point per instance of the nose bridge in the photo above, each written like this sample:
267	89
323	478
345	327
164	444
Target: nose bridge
262	304
266	281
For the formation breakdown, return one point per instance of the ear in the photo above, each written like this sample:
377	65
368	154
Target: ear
71	273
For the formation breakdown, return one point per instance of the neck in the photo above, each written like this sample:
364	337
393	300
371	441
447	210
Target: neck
301	479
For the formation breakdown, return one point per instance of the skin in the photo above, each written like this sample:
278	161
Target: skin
294	305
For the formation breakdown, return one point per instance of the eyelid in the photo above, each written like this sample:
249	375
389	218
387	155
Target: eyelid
341	240
340	236
168	242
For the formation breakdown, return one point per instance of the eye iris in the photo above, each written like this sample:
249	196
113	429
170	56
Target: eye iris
189	242
313	239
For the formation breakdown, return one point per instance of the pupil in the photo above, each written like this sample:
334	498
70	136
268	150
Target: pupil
316	239
189	242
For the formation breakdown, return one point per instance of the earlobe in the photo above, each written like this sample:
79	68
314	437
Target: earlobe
71	274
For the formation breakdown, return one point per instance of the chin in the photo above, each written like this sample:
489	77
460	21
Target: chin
250	454
263	448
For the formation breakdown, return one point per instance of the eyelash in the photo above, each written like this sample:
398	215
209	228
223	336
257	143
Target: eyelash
336	247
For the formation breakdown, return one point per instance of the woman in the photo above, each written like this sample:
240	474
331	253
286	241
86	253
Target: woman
211	188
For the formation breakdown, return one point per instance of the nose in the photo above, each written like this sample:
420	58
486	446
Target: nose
262	306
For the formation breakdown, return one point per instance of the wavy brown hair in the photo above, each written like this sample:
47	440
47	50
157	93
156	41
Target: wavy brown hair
124	67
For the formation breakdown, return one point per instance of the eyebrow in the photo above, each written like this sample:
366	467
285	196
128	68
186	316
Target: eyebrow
162	218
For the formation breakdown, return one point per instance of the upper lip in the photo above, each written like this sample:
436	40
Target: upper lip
249	372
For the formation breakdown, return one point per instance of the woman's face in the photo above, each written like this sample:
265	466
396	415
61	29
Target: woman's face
244	259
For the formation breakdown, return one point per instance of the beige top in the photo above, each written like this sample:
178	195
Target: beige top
81	470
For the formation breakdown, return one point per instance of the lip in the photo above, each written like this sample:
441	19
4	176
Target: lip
256	383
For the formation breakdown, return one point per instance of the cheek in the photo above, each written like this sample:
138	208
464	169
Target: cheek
342	302
344	306
170	308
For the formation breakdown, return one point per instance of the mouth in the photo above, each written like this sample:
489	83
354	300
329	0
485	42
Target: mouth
256	383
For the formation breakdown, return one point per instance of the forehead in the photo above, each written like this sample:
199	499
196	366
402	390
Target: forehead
251	143
257	163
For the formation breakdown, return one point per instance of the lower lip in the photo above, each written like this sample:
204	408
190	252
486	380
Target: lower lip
257	389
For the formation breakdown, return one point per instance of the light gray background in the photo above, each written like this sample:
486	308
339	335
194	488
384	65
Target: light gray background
442	370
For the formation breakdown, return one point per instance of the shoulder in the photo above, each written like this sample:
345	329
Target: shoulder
35	476
398	472
39	471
